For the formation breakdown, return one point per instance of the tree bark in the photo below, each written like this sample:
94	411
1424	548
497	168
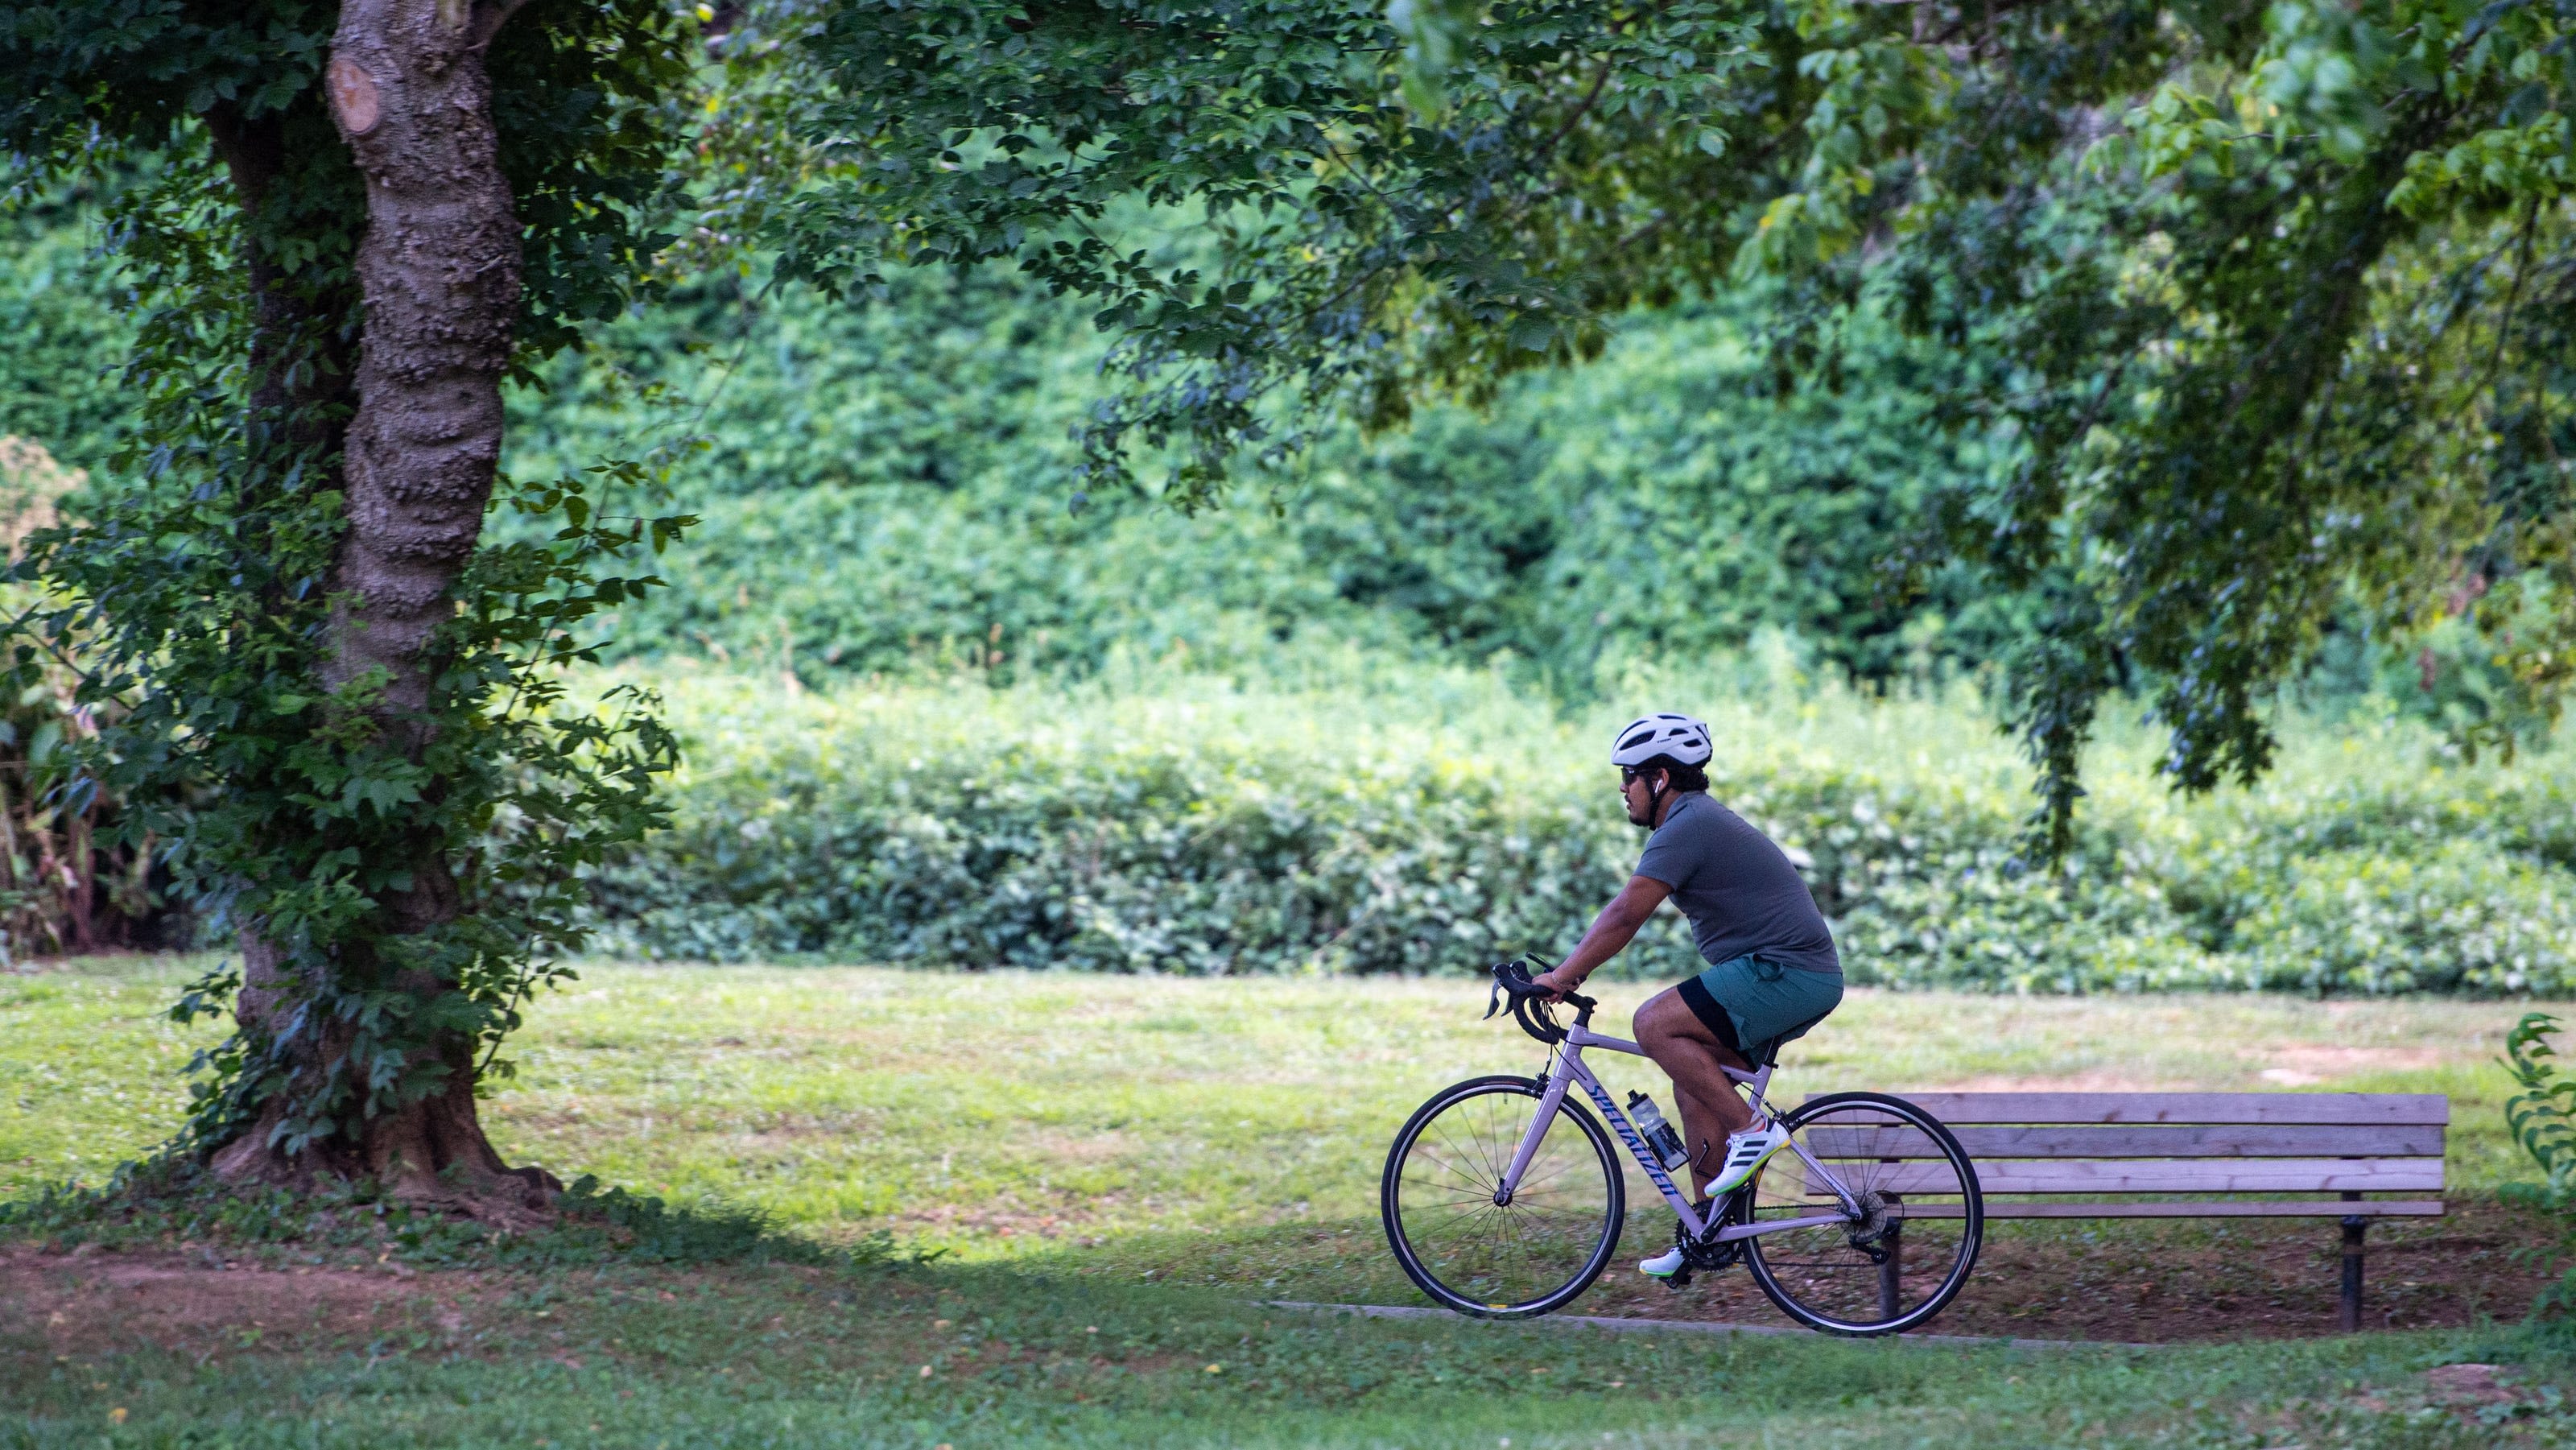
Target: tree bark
439	273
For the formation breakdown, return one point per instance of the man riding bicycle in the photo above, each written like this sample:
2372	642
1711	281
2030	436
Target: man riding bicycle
1772	972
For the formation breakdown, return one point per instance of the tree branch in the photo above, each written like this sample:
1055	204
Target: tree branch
1600	78
489	17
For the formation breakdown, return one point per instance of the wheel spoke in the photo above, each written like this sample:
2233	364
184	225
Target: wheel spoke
1464	1215
1467	1181
1886	1155
1536	1250
1534	1180
1468	1159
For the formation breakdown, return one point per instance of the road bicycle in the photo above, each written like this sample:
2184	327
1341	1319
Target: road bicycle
1502	1197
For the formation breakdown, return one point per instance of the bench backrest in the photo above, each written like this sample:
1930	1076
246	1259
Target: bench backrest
2188	1143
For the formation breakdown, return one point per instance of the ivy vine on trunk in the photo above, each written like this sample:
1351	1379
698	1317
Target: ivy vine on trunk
337	701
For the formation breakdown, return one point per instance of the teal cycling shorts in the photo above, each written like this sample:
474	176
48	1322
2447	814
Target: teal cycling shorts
1755	1005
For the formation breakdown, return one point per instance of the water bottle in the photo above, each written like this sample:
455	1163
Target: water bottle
1661	1140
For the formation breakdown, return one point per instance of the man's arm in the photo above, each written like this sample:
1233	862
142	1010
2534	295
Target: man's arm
1611	930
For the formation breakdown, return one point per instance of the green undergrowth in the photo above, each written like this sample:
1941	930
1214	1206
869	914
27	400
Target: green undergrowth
985	1357
1373	818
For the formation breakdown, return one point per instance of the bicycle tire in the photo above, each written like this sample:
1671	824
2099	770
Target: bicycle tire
1464	1275
1936	1174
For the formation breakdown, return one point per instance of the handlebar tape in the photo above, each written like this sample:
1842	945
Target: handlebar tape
1529	1006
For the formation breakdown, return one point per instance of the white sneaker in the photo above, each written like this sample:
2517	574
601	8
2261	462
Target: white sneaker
1745	1152
1663	1265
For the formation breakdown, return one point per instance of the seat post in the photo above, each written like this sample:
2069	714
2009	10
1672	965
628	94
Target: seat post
1758	1081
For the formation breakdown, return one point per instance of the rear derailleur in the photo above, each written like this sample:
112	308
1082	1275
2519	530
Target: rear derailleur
1869	1232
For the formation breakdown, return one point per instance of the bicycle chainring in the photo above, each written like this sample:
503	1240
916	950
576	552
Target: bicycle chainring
1708	1255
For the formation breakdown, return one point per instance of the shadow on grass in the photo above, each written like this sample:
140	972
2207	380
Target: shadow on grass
2111	1280
160	1204
996	1354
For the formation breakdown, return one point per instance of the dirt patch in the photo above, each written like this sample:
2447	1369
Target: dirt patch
2121	1281
1003	1221
2283	1065
2081	1082
82	1304
86	1305
2473	1384
2292	1065
2150	1282
2483	1398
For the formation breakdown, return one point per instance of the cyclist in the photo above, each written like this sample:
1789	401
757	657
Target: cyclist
1772	971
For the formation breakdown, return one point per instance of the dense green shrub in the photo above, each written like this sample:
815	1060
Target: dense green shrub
2464	917
890	487
1431	821
70	325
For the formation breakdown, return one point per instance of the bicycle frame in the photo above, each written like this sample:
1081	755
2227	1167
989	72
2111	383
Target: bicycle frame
1569	1069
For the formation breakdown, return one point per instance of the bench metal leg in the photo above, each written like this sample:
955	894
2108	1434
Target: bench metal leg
2353	1228
1891	1285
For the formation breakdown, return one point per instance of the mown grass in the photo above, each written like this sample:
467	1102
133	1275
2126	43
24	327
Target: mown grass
1004	1114
991	1355
1090	1152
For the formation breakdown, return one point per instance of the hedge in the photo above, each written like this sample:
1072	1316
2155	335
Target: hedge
1433	824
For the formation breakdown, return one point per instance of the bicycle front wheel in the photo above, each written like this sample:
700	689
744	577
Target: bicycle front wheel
1895	1216
1480	1251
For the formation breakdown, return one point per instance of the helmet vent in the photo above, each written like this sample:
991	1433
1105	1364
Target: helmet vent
1663	733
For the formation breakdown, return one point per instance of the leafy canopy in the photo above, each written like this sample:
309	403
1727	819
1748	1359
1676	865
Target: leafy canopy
1243	195
2267	305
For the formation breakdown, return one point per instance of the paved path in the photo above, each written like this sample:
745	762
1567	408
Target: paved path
1680	1326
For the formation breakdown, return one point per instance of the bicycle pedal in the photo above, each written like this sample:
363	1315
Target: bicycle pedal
1678	1279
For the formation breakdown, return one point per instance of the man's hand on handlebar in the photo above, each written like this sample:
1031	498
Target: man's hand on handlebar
1555	983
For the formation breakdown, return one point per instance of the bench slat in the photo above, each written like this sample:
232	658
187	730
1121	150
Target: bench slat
1954	1108
2157	1175
2203	1208
2231	1140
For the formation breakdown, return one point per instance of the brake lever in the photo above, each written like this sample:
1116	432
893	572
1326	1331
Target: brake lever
1571	999
1509	978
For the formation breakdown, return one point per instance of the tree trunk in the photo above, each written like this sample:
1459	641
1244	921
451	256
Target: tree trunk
439	271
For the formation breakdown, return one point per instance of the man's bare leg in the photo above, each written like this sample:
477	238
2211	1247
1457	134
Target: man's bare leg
1690	1054
1704	1134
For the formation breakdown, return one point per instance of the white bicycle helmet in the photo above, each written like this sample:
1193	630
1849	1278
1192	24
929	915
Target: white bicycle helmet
1679	736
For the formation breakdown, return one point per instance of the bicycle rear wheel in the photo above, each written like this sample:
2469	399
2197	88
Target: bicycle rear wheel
1900	1235
1501	1260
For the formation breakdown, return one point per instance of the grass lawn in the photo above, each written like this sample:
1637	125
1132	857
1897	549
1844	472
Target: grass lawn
1009	1114
988	1355
1115	1167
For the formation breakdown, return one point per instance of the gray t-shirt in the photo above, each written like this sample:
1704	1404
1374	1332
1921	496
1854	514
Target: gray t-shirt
1741	894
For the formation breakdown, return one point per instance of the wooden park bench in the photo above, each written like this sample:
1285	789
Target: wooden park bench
2206	1155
